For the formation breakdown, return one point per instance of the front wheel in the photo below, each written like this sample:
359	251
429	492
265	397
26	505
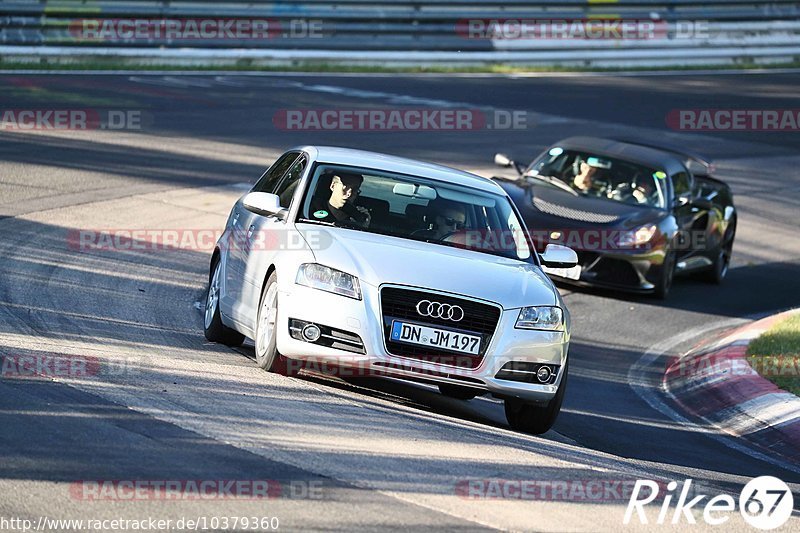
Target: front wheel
267	325
536	418
719	269
664	283
214	329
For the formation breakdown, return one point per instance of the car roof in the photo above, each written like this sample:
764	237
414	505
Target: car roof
401	165
652	157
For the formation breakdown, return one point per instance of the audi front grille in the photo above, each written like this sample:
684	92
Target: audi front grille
401	304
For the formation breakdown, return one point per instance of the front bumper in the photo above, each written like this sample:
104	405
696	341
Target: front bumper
636	271
364	319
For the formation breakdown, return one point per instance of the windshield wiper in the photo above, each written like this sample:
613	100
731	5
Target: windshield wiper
350	224
320	222
552	180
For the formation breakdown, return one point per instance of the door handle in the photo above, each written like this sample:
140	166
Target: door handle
250	231
235	217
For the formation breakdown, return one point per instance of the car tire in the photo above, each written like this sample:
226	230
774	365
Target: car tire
716	274
664	283
536	418
459	393
213	328
267	355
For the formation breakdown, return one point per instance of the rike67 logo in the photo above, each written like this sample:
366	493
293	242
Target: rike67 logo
765	503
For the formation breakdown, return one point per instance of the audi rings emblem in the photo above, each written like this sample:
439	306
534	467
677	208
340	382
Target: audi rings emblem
440	310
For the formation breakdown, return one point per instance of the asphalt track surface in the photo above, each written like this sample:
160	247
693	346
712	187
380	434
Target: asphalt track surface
167	405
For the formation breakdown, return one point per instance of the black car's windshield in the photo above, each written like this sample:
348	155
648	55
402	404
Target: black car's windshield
595	175
414	208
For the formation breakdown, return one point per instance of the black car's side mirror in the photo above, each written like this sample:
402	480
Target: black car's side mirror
502	160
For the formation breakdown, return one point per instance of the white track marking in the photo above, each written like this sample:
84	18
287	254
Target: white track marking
638	382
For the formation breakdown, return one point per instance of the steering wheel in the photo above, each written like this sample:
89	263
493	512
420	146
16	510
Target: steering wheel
451	234
429	233
420	232
622	191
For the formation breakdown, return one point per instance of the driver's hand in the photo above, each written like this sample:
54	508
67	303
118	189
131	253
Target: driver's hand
640	194
365	211
619	192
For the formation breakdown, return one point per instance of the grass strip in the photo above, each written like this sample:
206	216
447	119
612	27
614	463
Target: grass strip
776	354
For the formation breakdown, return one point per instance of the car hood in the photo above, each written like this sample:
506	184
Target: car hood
546	207
379	259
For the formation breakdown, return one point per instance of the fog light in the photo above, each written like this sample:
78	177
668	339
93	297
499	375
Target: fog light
311	333
543	374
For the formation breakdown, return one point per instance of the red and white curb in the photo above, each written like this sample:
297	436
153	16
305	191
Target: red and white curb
714	381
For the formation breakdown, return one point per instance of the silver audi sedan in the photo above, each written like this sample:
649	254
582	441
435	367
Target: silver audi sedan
379	265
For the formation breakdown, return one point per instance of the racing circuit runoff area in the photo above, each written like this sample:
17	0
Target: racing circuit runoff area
132	417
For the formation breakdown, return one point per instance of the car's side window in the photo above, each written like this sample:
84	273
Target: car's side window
290	182
272	177
681	184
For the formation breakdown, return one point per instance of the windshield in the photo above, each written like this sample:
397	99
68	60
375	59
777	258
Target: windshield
414	208
593	175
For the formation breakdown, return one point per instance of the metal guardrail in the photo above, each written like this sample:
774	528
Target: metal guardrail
433	31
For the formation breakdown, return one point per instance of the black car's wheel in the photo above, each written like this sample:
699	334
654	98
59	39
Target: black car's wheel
664	282
267	325
536	418
214	329
459	393
716	274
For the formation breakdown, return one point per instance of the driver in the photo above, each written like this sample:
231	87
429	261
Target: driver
340	206
588	180
448	216
643	190
584	179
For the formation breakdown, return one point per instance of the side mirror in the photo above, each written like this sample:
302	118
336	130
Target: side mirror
502	160
263	203
557	256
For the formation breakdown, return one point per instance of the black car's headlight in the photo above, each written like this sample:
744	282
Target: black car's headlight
328	279
549	318
638	236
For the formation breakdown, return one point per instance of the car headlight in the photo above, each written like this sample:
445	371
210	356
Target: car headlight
328	279
637	237
546	317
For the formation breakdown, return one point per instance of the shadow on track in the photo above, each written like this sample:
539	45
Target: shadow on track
139	303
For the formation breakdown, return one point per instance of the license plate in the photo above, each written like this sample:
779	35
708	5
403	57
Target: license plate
435	338
569	273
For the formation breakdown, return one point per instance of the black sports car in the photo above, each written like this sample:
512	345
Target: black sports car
635	213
